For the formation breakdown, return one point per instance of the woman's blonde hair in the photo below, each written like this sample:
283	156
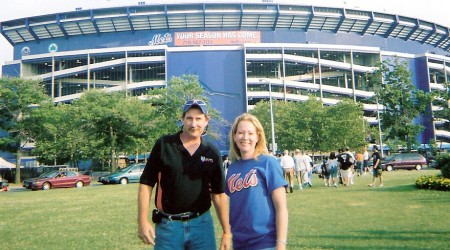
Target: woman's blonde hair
261	147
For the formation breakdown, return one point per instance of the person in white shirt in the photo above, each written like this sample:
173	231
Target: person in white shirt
307	160
299	168
287	163
366	161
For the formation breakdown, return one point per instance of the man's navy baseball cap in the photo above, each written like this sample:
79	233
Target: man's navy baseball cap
195	103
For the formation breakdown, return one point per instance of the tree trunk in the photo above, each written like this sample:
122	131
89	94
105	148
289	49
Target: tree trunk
18	160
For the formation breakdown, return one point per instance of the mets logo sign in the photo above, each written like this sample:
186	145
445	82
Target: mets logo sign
158	39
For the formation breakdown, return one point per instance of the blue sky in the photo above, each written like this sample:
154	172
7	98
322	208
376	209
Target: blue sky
436	11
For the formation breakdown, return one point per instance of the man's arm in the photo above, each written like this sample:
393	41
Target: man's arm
145	229
220	202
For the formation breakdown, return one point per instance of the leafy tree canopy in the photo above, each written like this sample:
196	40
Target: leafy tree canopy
402	103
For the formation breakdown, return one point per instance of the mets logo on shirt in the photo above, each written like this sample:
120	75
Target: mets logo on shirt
237	183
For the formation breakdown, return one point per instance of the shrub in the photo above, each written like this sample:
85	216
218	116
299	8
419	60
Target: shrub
436	182
443	162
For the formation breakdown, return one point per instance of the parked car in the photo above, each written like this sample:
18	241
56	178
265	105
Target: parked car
126	175
27	183
404	161
60	179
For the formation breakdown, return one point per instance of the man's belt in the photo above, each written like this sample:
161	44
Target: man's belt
182	217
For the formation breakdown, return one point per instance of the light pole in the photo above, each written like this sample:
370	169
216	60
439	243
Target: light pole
379	129
272	125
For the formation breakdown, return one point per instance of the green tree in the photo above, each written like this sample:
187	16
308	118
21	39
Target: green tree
262	111
53	127
101	125
292	124
346	125
169	100
402	102
318	125
17	98
112	123
312	126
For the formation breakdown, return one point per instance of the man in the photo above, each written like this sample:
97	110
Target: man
306	166
309	168
366	160
377	171
346	161
300	168
287	163
359	163
188	172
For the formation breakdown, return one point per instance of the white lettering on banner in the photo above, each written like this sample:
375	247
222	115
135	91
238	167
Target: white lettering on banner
208	35
184	35
229	35
200	38
158	39
247	34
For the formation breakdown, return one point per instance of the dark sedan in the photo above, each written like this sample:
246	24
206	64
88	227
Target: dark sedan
404	161
60	179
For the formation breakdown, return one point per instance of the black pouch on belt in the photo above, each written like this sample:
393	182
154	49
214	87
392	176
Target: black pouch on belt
156	216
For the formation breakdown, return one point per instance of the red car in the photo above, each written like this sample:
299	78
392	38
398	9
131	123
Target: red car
60	179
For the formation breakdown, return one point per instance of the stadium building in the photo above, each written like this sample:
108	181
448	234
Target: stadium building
239	51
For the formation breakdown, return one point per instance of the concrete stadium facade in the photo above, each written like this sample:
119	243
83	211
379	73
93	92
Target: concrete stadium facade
238	51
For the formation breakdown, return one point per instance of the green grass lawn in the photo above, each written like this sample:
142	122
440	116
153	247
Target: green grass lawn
397	216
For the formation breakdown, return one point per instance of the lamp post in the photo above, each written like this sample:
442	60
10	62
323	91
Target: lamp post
272	125
379	128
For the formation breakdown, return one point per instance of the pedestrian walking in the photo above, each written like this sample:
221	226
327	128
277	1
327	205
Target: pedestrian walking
332	166
287	163
377	171
299	169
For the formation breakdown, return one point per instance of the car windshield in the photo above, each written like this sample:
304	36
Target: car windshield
124	170
43	174
390	158
48	174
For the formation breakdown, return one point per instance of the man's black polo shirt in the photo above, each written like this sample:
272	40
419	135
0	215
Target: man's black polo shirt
186	182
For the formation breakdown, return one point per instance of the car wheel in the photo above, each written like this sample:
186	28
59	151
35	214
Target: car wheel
124	181
79	184
389	168
418	167
46	186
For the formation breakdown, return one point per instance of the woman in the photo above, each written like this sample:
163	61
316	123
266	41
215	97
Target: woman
332	167
325	173
255	184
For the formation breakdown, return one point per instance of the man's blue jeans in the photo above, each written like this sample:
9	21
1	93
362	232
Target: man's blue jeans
194	234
